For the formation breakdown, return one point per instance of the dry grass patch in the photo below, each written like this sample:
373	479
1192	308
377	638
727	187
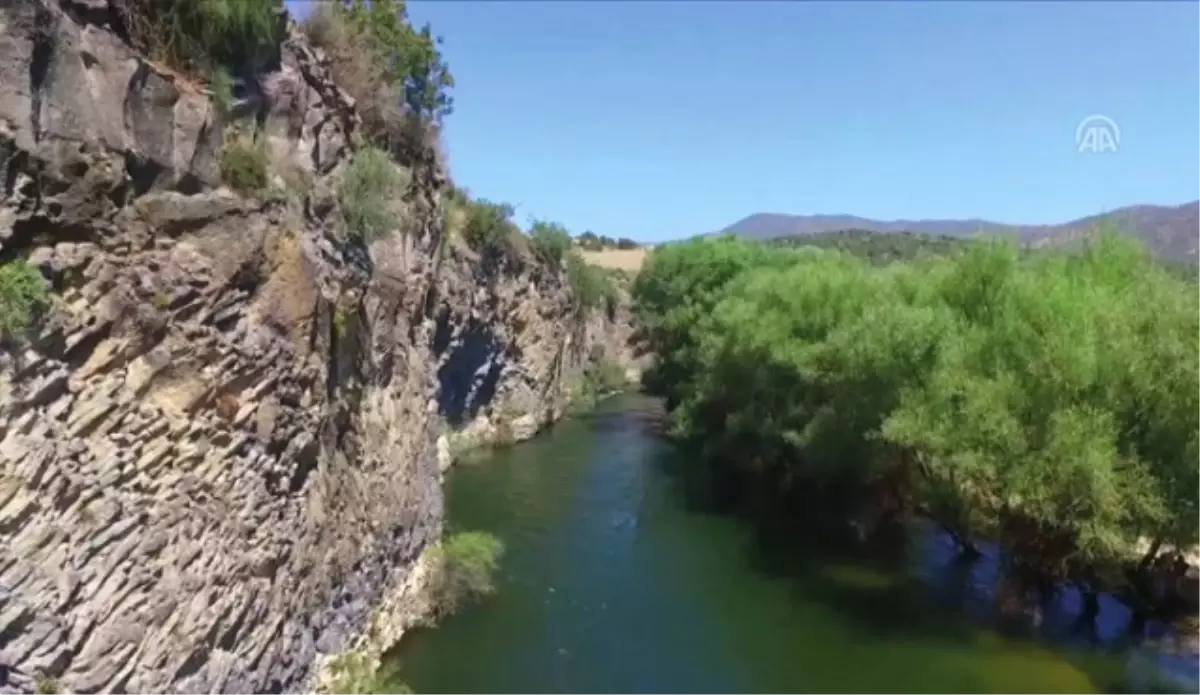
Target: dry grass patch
620	259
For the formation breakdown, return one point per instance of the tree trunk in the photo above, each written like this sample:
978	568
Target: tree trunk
1151	553
1090	610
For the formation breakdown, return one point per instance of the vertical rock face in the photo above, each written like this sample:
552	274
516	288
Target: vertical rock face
217	454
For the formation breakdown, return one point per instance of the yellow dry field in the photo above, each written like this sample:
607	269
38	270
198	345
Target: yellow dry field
621	259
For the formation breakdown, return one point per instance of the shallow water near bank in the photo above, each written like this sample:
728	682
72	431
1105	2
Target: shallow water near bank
611	582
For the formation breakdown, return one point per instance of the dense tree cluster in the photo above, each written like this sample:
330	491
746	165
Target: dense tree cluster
598	242
879	247
1046	401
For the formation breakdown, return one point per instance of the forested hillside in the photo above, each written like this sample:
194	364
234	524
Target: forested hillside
878	247
1168	231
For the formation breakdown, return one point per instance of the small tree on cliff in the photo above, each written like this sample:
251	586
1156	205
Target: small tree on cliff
409	57
395	73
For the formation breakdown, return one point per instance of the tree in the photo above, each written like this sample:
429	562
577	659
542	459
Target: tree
1047	400
409	57
551	242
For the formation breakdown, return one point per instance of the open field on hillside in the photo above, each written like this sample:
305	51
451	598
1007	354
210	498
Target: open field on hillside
621	259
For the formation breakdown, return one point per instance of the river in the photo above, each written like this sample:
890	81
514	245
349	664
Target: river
611	582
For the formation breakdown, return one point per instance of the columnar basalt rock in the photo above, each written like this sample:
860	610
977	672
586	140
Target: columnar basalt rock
218	453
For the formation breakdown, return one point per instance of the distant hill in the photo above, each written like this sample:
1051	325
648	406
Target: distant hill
1170	232
881	248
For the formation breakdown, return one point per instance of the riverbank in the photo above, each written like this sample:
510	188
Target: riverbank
502	426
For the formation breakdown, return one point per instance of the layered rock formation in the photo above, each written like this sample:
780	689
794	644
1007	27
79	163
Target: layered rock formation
218	453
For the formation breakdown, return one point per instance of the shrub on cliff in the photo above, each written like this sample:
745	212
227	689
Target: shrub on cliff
463	568
601	376
395	72
371	187
353	673
551	242
590	285
244	164
198	36
488	228
22	294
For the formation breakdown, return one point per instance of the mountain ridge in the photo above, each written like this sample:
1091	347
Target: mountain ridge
1169	231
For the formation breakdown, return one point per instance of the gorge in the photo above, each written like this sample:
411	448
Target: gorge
220	438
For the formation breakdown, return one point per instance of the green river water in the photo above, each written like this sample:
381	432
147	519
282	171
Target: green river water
611	582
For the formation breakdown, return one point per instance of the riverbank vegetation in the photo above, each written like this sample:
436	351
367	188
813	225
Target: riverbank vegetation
1044	401
356	674
601	377
463	569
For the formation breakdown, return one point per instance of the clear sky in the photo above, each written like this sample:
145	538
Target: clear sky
659	120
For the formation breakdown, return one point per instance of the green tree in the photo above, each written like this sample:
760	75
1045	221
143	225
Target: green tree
409	57
551	242
676	289
489	226
1046	400
371	187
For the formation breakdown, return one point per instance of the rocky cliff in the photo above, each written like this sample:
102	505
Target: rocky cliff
219	446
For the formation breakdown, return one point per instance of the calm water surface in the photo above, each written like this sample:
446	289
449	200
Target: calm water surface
611	583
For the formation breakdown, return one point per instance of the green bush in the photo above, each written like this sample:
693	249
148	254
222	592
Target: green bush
488	228
601	376
244	164
370	189
551	242
588	241
590	285
465	565
202	35
22	294
222	92
47	685
605	376
354	674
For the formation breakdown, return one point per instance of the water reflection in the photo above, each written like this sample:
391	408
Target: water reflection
615	582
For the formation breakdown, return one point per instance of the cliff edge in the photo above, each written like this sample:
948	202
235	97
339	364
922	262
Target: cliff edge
219	442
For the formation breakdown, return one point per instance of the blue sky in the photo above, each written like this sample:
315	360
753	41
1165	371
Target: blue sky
659	120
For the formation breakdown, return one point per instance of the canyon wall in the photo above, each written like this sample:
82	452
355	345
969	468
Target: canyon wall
219	446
